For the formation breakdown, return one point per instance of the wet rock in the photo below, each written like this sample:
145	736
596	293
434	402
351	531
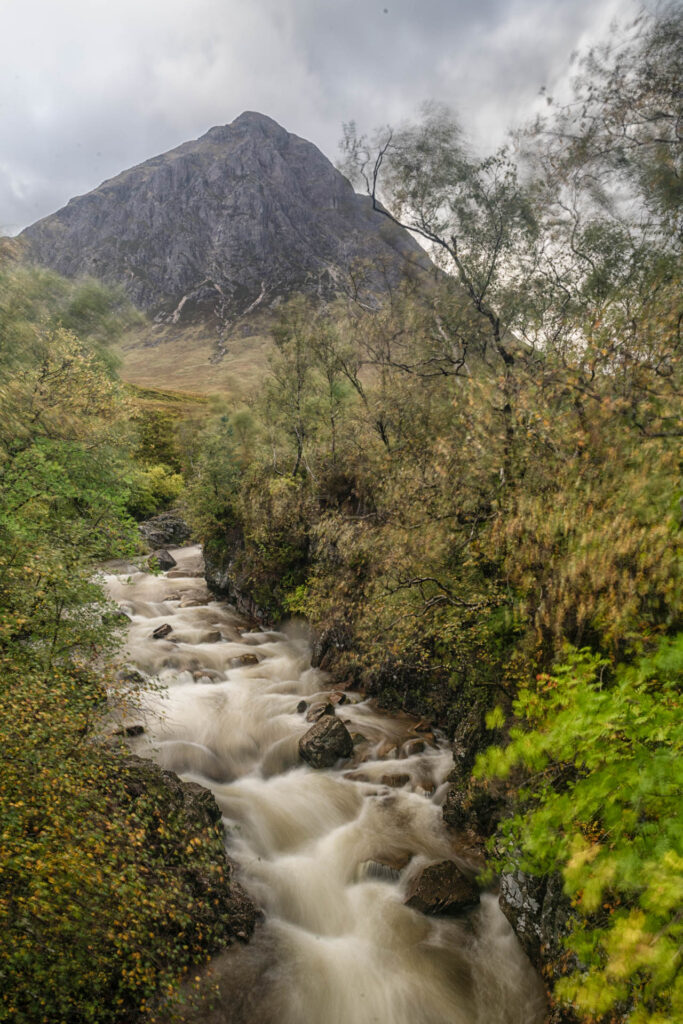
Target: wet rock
325	742
209	674
337	698
474	808
301	707
388	751
223	574
201	802
214	636
412	747
244	660
538	911
164	560
130	676
168	529
316	711
130	730
332	641
396	781
162	631
358	738
442	889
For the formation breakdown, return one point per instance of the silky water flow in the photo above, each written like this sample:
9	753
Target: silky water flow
328	854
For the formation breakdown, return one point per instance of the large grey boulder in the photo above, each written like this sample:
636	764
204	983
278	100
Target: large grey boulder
326	742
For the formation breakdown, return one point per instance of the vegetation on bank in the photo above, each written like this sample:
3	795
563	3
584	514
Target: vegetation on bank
478	491
110	888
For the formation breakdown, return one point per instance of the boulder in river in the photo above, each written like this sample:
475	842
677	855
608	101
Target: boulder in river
316	712
191	815
325	742
244	660
442	889
162	631
214	636
164	560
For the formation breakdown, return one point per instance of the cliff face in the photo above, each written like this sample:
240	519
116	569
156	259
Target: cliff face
230	223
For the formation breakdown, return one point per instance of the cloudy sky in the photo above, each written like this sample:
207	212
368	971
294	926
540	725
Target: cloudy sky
90	87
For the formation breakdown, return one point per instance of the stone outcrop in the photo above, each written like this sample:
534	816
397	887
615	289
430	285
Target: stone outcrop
223	576
225	226
442	889
168	529
539	913
325	742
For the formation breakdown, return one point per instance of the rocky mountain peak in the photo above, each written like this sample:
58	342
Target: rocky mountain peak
240	218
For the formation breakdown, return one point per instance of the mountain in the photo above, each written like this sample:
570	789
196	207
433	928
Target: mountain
227	226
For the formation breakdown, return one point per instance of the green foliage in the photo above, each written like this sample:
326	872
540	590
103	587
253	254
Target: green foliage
156	440
213	483
99	890
153	489
602	752
470	478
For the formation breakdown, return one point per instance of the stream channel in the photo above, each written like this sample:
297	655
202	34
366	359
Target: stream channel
328	854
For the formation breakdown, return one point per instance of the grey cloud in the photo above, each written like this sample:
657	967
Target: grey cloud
88	87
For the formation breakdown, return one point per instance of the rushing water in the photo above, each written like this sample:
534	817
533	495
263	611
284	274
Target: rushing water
328	854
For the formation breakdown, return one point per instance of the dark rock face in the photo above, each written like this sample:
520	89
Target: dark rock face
326	742
333	640
443	889
223	577
225	225
166	529
538	911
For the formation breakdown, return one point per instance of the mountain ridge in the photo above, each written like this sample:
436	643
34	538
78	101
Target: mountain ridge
231	222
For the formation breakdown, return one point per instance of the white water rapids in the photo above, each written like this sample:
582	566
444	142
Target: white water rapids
338	945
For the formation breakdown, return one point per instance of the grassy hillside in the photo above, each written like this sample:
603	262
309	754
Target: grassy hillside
193	359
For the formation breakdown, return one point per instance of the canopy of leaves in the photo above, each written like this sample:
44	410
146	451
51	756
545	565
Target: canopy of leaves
98	891
604	774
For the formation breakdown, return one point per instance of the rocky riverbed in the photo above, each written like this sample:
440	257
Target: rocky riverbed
332	814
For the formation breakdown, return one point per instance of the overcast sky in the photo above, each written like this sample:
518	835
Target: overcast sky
90	87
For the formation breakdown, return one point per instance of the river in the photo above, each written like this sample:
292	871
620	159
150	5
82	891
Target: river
329	854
